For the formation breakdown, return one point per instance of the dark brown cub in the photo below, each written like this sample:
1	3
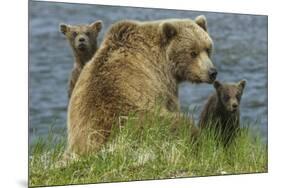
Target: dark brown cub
221	111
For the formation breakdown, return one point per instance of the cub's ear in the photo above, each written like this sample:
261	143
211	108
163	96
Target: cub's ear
201	21
241	84
217	84
97	25
168	31
63	28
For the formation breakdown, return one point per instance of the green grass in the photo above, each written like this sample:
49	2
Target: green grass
148	149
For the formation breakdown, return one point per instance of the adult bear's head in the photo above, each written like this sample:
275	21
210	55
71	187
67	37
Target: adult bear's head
188	49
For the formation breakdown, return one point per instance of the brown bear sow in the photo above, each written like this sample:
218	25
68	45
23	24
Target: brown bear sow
222	110
83	41
137	64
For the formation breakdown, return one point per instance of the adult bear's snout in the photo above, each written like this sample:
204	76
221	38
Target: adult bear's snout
213	74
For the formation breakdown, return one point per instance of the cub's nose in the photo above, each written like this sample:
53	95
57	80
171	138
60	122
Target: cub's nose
234	105
81	39
213	73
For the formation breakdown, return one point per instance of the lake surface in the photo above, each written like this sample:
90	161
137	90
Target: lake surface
240	53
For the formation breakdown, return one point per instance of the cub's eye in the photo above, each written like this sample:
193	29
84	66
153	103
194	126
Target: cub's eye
74	34
193	54
238	96
87	33
226	97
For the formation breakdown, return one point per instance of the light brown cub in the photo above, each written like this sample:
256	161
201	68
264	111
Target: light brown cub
83	41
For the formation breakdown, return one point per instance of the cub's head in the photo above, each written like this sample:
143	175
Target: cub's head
188	49
82	38
230	94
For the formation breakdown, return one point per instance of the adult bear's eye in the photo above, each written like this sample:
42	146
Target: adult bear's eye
193	54
74	34
87	33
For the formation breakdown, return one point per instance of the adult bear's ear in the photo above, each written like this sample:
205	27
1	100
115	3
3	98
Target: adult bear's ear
242	84
168	31
201	21
97	25
63	28
217	85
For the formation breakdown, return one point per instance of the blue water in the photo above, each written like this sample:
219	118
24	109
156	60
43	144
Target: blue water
240	53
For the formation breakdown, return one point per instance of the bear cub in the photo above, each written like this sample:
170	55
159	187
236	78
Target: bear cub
83	41
221	111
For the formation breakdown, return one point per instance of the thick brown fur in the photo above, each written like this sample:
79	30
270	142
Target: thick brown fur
137	67
221	111
83	42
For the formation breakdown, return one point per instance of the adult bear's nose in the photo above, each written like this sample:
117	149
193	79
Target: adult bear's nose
213	74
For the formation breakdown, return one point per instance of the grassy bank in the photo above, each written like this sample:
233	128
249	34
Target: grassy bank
148	149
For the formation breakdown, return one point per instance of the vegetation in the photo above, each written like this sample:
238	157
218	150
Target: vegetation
148	148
